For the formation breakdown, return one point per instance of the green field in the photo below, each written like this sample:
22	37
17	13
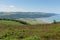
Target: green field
12	30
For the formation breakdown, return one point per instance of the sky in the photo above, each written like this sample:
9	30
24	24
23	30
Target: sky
48	6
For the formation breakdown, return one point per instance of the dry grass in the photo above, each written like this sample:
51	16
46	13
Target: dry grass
17	31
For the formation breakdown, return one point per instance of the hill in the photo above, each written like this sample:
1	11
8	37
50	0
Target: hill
33	21
11	30
18	15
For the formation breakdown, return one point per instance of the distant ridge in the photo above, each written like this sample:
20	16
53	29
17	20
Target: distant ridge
17	15
28	17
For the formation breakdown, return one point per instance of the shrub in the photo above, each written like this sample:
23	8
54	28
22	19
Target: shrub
32	38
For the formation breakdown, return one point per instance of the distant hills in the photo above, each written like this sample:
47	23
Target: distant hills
17	15
29	17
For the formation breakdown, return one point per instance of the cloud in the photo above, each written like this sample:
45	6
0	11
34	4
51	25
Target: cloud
10	8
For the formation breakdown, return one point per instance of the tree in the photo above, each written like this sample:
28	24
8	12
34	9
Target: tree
54	22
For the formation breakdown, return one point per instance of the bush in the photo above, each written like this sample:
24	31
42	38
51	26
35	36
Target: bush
32	38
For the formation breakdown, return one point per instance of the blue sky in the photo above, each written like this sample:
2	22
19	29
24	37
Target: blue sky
51	6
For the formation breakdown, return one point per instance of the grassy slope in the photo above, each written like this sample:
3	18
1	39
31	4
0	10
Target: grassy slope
10	30
33	21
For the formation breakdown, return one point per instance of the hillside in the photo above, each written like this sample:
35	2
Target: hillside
11	30
33	21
